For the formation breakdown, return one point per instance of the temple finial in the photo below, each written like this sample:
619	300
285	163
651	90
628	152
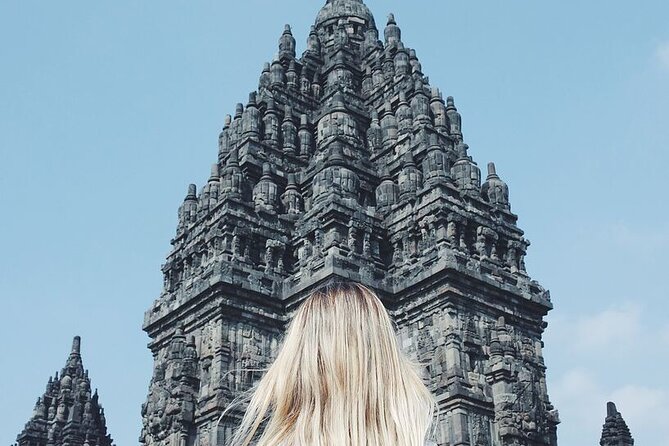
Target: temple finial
192	192
494	190
492	170
611	409
392	33
76	345
287	44
615	431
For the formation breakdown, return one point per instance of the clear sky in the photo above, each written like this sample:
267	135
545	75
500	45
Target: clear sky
108	110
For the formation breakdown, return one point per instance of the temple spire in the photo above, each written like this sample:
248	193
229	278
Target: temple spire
73	366
287	44
76	345
615	431
347	162
67	413
392	33
494	190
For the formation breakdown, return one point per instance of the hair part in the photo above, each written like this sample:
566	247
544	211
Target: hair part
340	378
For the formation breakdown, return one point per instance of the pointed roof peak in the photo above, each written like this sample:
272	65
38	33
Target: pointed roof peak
611	409
192	192
492	173
73	365
615	431
65	396
252	99
76	345
392	33
462	150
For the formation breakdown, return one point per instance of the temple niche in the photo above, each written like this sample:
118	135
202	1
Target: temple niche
347	162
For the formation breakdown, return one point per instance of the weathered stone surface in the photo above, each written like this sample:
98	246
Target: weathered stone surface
615	431
347	163
68	414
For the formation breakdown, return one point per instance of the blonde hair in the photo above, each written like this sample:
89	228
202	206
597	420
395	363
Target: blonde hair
339	379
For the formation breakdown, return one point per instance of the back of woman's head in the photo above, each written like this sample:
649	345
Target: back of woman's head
340	379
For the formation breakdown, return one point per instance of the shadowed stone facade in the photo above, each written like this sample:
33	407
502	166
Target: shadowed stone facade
67	414
615	431
346	162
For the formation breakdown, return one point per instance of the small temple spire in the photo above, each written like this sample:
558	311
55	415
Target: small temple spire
192	193
387	193
454	118
232	178
265	80
57	418
292	198
224	138
76	345
215	173
392	33
313	42
494	190
410	178
615	431
287	44
266	192
277	73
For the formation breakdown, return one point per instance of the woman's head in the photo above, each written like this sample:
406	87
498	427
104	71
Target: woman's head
339	379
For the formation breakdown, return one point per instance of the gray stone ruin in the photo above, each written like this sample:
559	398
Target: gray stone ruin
347	163
615	431
67	413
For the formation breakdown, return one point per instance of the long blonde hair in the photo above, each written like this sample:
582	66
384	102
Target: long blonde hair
339	379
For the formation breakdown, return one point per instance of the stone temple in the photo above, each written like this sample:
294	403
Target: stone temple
346	163
615	431
67	414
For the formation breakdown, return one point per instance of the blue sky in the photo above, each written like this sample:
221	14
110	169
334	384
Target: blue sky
110	109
